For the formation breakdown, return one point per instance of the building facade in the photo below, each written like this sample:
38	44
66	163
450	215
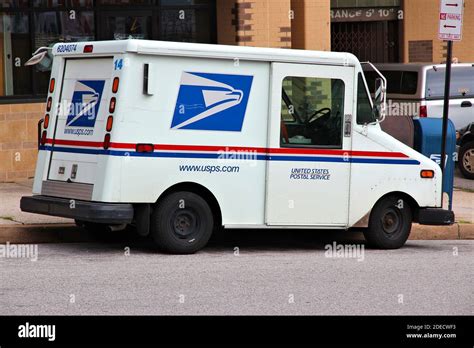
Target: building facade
375	30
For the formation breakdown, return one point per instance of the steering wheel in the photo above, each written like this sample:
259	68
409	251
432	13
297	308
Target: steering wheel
324	112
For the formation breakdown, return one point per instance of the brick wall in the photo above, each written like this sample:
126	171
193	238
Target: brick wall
272	23
420	51
421	24
259	23
226	27
421	18
18	140
302	24
311	26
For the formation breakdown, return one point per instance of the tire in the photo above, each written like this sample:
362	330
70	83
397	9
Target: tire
389	224
182	223
466	160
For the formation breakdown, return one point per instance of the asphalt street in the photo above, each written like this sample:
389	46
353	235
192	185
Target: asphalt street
243	272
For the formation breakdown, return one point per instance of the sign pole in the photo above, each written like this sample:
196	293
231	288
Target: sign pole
451	14
447	87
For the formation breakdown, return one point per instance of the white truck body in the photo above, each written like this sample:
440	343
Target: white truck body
211	115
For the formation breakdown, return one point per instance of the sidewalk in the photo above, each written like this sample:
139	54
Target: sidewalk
10	213
19	227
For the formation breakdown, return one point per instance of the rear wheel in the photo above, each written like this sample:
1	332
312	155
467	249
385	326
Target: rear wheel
389	223
466	160
182	223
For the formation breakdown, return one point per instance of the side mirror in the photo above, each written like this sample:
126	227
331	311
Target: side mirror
380	98
41	58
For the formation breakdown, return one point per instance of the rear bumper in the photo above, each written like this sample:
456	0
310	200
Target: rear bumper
435	216
107	213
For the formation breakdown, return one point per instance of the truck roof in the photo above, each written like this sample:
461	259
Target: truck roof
206	51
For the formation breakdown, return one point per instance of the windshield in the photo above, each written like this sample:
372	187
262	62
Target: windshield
364	106
462	82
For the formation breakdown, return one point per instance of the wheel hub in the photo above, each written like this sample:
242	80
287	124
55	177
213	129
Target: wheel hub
184	223
391	221
468	160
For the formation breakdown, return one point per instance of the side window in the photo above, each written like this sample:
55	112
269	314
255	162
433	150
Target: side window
394	81
364	108
312	112
409	82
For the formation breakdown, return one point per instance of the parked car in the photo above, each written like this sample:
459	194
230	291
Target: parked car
466	151
418	90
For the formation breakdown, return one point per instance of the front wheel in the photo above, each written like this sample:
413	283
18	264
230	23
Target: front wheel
182	223
466	160
389	223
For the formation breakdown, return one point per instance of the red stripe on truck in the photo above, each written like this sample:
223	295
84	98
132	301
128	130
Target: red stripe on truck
212	148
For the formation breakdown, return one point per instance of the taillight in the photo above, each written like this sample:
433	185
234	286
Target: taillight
43	138
48	104
51	85
110	122
145	147
88	48
115	85
46	121
423	111
107	141
112	105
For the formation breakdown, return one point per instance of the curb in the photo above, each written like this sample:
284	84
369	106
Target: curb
425	232
466	231
70	233
48	233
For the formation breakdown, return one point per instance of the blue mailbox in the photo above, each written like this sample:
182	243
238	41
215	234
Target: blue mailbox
428	138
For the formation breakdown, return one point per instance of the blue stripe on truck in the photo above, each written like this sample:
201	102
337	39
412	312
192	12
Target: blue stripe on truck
219	156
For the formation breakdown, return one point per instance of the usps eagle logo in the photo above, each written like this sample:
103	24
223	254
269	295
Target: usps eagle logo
85	103
211	101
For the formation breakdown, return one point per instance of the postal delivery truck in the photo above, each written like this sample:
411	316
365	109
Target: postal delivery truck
180	139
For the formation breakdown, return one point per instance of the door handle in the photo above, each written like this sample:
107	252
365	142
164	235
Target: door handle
347	125
40	125
466	104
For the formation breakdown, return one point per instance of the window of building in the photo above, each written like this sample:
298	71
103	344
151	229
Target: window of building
312	112
120	26
185	25
26	25
124	2
14	4
15	50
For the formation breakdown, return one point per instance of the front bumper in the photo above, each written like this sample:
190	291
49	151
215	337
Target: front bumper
435	216
106	213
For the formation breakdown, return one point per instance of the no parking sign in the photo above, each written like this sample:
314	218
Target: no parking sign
450	20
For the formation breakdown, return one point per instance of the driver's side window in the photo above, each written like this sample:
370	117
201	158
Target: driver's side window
312	112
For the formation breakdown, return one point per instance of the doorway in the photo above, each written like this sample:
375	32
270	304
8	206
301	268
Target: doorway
374	41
